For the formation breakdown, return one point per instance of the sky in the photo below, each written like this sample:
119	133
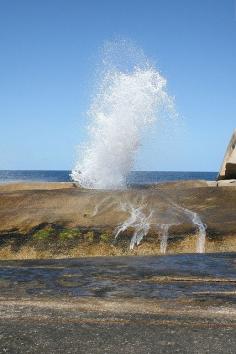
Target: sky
49	51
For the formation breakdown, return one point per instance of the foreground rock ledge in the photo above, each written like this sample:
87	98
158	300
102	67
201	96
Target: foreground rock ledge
168	304
43	220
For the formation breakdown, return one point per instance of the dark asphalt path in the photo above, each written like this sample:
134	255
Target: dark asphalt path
164	304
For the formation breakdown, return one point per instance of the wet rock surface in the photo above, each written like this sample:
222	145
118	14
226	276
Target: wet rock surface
162	304
84	222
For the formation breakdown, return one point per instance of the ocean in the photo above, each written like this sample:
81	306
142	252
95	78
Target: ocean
134	178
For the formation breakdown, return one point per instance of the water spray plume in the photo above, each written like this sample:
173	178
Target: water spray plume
127	102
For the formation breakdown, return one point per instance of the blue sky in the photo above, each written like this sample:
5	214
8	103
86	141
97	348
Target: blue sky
48	54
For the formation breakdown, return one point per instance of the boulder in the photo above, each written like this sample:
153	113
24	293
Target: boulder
228	167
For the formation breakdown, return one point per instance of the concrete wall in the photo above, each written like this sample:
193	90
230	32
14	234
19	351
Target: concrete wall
228	167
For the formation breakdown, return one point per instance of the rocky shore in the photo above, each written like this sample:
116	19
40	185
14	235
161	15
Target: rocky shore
56	220
178	303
